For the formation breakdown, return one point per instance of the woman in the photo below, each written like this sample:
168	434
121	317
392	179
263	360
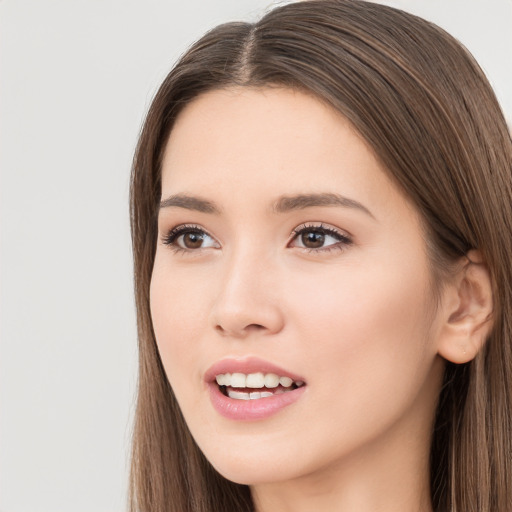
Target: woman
321	218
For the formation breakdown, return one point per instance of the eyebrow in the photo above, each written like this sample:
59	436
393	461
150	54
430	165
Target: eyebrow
282	205
301	201
190	203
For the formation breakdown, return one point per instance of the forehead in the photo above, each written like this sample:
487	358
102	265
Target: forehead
269	142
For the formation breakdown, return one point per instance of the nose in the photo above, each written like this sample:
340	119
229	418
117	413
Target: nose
247	301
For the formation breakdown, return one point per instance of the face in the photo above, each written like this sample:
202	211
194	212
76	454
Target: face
292	270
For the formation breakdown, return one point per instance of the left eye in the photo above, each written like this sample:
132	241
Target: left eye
318	237
189	238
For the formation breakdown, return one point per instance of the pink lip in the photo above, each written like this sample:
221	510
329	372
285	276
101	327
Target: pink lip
249	410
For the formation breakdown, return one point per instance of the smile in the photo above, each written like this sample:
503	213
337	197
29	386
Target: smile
251	389
235	385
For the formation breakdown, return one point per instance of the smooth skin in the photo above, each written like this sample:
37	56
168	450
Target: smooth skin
341	294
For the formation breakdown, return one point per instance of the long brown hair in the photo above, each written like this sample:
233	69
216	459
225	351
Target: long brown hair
425	107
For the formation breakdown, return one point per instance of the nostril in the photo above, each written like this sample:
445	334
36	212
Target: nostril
255	327
244	331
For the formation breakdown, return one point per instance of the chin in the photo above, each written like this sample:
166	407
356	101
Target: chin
245	469
248	474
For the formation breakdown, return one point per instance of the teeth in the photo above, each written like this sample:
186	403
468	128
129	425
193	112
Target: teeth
223	378
286	382
238	395
253	395
255	380
238	380
271	380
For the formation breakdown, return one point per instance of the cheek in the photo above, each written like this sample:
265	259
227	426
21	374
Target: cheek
365	333
178	313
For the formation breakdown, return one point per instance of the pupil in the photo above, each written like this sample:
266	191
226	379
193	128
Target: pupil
313	239
193	240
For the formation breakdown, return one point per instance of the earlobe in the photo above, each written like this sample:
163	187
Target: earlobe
468	318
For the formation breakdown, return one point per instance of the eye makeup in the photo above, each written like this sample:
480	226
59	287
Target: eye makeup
189	237
312	237
319	237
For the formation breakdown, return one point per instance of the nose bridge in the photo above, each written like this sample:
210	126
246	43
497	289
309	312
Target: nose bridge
247	298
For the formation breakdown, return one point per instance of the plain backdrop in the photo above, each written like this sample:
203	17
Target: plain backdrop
76	77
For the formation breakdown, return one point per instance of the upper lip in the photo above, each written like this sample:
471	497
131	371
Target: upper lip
247	365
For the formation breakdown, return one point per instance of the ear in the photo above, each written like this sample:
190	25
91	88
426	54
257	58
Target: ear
468	305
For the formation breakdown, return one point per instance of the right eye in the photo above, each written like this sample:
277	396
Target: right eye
189	238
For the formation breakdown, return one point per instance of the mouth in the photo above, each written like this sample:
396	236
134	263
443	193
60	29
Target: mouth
255	386
250	389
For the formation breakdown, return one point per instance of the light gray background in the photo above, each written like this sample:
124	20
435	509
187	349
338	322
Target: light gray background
76	79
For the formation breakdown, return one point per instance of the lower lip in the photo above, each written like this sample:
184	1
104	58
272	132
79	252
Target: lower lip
251	410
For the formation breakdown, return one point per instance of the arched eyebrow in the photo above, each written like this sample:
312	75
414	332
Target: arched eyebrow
302	201
282	205
190	203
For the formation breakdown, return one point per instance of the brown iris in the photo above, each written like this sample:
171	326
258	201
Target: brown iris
313	239
193	240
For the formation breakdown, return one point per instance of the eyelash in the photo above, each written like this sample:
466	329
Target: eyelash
343	240
171	237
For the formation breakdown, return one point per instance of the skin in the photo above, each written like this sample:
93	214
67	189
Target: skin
357	320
